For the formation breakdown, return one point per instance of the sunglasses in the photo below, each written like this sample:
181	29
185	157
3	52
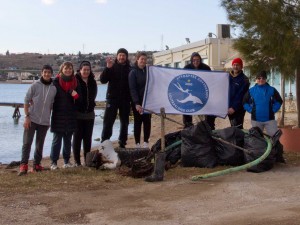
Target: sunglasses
260	78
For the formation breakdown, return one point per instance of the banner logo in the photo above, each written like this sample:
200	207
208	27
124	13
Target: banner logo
188	93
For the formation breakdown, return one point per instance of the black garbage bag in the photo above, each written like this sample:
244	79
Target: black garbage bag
129	155
257	145
227	154
197	148
172	154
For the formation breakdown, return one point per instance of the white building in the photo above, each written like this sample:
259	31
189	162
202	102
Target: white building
215	50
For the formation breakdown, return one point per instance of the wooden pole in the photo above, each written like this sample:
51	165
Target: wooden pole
162	119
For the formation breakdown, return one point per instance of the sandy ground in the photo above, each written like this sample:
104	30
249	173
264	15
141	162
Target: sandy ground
240	198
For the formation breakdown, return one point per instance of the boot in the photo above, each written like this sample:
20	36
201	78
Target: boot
159	168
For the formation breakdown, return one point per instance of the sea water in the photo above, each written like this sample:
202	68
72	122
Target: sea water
11	130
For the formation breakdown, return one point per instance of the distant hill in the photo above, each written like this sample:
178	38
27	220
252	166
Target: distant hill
35	61
16	63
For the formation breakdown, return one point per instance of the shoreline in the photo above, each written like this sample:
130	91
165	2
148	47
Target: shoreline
29	82
170	127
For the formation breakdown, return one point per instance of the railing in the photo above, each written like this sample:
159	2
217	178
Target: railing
17	106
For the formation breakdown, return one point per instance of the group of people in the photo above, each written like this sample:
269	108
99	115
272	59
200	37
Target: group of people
69	99
262	101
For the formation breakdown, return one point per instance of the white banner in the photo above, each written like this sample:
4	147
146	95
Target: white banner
189	92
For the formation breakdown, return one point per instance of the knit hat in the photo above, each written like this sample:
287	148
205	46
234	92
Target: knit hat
238	61
84	63
123	50
262	74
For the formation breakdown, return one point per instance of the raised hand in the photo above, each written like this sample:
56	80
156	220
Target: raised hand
109	62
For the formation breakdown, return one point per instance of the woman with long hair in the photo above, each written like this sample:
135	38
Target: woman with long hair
137	81
85	111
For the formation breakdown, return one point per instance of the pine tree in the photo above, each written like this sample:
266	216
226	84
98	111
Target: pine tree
269	37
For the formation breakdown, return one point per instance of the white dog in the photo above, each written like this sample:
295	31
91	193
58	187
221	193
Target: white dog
107	150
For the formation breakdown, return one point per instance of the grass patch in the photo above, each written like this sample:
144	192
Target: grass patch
84	178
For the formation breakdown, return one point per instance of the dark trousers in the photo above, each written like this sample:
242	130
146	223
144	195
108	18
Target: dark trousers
110	114
237	119
28	136
188	121
83	134
56	146
139	119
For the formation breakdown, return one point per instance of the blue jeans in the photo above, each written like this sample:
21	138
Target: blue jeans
56	146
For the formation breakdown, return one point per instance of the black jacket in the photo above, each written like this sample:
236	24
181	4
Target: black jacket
88	94
202	66
238	87
137	82
64	110
117	79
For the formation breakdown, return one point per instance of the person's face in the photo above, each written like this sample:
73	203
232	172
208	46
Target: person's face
261	80
236	67
67	70
46	74
121	58
196	61
85	71
142	61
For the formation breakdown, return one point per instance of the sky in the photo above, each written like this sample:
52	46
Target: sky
97	26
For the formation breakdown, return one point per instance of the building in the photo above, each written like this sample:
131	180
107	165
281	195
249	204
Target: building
216	51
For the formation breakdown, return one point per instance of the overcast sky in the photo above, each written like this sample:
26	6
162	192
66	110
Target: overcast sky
70	26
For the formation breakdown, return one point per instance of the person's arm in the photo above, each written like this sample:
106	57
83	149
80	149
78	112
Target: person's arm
107	72
277	101
27	102
133	87
237	102
247	102
132	80
27	121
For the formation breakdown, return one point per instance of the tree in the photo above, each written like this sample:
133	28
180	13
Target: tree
7	52
269	36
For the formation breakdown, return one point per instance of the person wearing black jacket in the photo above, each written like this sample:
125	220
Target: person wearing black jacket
63	120
85	111
137	82
197	64
238	86
117	96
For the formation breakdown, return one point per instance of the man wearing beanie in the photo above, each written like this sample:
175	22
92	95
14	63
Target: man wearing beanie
117	96
238	86
262	101
197	64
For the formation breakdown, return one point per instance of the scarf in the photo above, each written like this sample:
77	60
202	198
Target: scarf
67	83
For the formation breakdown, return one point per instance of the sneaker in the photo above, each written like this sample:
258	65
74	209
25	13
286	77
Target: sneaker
146	145
77	165
54	166
23	169
68	165
138	145
38	168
